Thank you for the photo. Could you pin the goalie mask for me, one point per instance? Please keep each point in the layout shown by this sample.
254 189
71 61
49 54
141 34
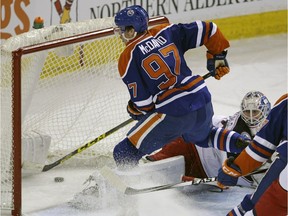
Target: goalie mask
134 16
255 108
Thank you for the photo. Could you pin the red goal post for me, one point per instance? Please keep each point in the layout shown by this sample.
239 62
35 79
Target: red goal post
59 82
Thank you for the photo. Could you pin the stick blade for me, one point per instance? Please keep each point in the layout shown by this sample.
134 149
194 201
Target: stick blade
113 179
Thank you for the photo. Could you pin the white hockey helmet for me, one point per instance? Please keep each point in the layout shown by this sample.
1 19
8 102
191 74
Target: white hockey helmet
255 108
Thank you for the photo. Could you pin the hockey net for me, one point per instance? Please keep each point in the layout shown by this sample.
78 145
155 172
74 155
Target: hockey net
62 84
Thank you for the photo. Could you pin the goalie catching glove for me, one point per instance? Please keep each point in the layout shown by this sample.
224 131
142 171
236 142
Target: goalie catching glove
228 174
217 64
133 111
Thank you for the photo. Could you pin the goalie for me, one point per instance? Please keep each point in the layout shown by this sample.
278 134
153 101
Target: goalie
199 162
205 162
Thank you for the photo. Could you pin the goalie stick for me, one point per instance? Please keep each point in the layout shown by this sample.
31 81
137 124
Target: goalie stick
117 182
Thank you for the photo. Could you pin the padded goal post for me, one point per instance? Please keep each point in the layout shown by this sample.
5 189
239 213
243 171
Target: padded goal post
60 81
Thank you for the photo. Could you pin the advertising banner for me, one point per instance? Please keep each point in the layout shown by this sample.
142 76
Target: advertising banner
17 16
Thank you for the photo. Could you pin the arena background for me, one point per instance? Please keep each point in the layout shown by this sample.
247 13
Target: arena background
237 18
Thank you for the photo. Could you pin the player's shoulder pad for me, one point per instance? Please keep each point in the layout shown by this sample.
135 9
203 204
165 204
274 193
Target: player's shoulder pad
154 30
283 97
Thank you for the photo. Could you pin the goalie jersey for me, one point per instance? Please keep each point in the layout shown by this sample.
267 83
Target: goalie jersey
155 72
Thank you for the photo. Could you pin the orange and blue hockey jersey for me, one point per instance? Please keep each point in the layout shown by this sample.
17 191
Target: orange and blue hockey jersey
270 197
155 71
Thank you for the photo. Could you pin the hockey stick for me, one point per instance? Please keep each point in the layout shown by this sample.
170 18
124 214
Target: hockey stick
47 167
206 75
117 182
87 145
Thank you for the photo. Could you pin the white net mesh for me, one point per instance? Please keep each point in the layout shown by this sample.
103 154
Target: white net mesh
72 93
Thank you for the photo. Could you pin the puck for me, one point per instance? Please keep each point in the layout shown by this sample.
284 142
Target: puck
58 179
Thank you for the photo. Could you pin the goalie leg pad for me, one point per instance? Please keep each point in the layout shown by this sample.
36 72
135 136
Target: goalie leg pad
193 165
165 171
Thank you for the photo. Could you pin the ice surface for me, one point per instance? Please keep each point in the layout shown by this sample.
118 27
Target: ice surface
256 64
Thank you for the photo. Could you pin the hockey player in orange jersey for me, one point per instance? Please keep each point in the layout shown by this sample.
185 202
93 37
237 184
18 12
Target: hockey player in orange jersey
270 197
163 91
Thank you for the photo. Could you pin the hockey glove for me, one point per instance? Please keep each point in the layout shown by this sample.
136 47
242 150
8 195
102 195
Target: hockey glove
217 64
242 142
133 111
229 173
